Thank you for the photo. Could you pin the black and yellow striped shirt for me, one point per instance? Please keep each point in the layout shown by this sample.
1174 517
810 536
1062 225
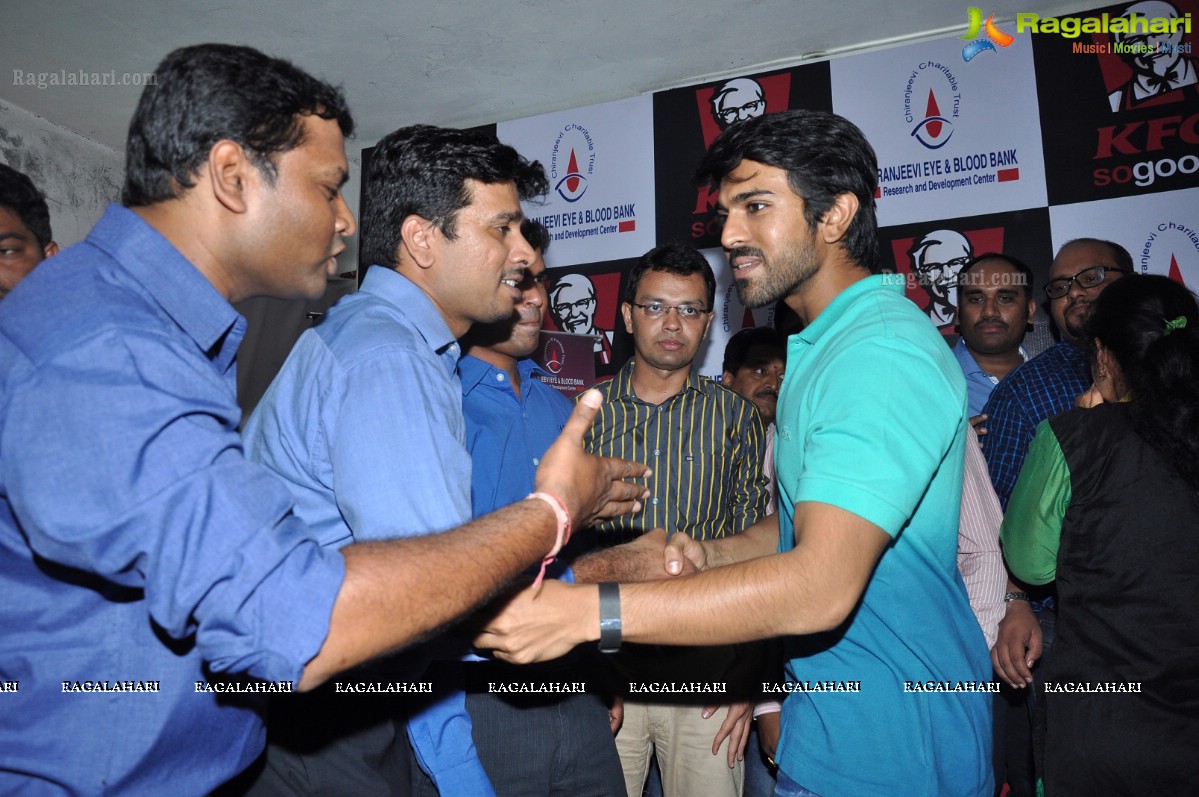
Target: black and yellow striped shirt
705 446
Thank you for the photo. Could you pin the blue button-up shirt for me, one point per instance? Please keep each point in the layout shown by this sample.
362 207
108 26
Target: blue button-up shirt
979 383
137 544
364 423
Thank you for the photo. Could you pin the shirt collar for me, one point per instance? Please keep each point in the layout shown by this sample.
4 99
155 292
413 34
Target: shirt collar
394 288
474 371
178 287
844 300
622 383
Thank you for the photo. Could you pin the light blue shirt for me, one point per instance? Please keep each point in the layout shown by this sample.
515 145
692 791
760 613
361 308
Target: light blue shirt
979 383
872 419
137 543
364 422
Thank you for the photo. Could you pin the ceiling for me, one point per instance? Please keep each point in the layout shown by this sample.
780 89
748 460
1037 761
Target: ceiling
452 62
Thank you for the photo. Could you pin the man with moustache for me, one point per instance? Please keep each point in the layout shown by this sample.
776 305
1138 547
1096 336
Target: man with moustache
995 307
364 420
511 419
139 545
1049 384
1052 381
704 445
857 464
755 360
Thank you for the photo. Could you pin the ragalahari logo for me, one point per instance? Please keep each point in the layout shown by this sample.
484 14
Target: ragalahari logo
978 45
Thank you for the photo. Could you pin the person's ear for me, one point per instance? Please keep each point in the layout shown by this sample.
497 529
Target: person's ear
50 249
626 310
420 237
837 219
231 174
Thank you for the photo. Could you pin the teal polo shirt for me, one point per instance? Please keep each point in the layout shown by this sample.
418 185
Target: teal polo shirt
872 419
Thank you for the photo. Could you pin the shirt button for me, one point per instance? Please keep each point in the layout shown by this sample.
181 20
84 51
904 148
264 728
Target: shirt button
536 461
499 377
659 408
654 501
657 452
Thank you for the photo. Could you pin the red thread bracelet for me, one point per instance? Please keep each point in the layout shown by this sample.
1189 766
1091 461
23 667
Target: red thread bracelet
563 516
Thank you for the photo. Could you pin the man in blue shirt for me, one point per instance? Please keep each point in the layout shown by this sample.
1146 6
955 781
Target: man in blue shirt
858 567
143 559
995 308
529 743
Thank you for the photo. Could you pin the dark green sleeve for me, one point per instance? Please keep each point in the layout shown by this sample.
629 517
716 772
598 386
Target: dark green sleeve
1032 527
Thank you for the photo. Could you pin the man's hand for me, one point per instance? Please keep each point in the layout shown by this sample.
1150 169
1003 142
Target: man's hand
616 714
593 488
976 422
684 555
1018 645
769 726
735 728
543 624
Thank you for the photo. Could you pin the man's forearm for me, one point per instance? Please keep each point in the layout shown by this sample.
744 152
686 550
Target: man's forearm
396 592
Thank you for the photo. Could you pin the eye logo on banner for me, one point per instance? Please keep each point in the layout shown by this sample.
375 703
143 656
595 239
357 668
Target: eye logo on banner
934 129
570 182
554 355
994 35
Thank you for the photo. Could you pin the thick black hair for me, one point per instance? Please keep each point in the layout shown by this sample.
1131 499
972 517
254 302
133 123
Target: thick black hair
737 349
422 171
1020 266
211 92
824 155
1134 319
20 195
678 259
536 234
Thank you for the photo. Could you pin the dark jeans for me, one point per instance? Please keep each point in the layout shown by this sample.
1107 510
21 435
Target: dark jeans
1024 711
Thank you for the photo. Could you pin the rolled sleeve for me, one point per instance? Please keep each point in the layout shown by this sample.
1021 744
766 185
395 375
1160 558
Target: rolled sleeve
169 505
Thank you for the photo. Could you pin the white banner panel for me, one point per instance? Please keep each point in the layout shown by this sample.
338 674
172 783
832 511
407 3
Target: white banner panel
1160 231
953 137
600 164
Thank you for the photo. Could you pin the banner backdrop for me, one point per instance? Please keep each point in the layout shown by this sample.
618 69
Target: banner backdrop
1015 141
952 137
600 164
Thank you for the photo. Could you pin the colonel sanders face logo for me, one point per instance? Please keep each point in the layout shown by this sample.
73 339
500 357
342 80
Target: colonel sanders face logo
737 100
573 303
1156 59
936 260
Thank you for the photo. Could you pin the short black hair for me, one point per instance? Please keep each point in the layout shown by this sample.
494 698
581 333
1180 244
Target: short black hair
211 92
737 349
422 170
824 155
1014 262
678 259
536 234
1119 253
20 195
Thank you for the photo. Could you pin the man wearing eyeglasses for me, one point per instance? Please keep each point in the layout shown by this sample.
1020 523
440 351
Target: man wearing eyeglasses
1044 386
705 447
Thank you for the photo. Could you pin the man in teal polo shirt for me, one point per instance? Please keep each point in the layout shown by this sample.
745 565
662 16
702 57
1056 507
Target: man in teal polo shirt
888 670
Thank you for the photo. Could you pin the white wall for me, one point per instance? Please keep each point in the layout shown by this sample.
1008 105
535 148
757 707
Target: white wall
78 176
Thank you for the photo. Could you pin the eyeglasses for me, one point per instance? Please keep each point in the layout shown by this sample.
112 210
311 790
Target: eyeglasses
1087 278
563 309
687 312
747 111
